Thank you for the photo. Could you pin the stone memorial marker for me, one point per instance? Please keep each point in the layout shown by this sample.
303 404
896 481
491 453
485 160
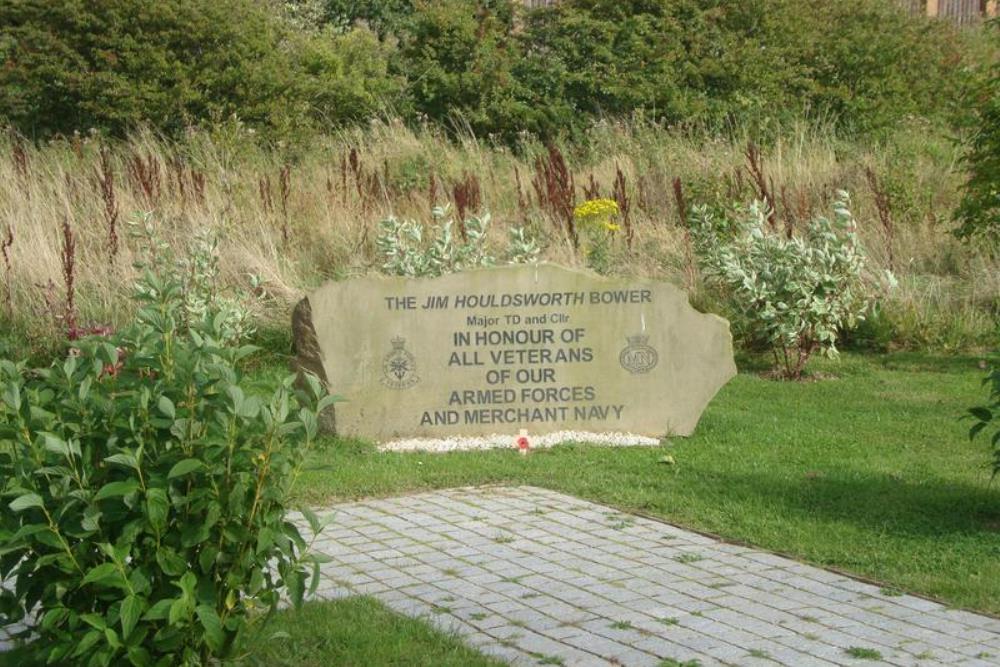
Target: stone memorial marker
493 351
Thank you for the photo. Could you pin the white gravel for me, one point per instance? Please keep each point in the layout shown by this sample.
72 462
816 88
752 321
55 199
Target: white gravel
509 441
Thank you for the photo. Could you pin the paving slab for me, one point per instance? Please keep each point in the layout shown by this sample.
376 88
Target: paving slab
536 577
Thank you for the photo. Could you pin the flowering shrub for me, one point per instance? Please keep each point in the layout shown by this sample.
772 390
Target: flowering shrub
144 491
795 292
598 220
597 214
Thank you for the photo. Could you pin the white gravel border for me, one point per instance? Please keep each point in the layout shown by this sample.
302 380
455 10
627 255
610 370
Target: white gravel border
509 441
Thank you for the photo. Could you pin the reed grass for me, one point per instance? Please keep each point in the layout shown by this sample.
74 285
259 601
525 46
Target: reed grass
297 218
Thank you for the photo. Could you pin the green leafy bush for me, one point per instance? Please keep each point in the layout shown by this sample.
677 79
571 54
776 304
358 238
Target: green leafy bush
144 491
458 59
407 250
294 67
797 292
117 64
979 212
987 416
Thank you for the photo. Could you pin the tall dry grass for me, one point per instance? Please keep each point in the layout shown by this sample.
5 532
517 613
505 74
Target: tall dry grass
299 218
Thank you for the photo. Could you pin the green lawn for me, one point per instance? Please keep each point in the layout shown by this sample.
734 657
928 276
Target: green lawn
358 632
870 472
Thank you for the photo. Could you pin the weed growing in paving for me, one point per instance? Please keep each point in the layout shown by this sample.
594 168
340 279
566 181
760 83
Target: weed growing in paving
688 558
863 653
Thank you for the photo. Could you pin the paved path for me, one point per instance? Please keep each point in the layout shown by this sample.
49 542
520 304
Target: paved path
536 577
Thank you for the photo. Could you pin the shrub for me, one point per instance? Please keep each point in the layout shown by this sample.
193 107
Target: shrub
458 58
408 253
196 275
797 292
382 16
988 416
979 212
117 64
145 491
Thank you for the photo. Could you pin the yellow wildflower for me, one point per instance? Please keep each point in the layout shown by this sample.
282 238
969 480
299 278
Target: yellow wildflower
599 213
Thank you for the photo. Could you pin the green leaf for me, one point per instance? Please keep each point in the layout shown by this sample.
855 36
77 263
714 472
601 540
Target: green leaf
54 617
84 390
117 489
179 610
106 574
166 407
54 443
327 401
314 523
91 521
982 414
159 611
185 467
296 583
139 657
124 459
187 584
12 396
87 642
132 608
170 562
112 638
22 503
157 509
215 636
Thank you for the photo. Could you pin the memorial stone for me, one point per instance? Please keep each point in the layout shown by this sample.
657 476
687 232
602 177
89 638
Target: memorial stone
492 351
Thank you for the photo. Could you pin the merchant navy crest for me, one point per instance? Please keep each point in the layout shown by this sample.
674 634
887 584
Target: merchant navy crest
399 368
638 357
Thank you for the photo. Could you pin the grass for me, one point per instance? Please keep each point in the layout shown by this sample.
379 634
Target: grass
863 653
870 472
323 223
358 631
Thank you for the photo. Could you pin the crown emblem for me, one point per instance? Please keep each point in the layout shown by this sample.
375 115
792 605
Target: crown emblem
399 367
638 357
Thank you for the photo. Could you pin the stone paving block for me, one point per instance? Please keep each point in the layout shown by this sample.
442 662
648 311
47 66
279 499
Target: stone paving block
597 645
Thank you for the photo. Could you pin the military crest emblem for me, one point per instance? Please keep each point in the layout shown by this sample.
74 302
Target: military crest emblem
399 368
638 357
